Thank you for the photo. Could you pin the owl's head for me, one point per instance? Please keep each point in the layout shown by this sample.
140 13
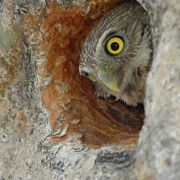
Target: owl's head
116 48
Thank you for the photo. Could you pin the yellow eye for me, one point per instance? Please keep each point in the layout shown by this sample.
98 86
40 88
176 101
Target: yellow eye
114 45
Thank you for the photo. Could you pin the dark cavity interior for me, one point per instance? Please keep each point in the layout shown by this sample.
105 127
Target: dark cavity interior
70 98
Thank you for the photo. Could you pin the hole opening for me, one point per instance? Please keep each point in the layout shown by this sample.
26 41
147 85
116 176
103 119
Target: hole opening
74 106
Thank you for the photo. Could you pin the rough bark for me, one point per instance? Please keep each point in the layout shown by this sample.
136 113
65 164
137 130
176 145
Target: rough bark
26 148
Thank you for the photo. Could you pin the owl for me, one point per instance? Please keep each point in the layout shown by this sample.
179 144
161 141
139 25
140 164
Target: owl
117 54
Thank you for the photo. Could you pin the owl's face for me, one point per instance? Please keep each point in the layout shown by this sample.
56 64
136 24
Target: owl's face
111 54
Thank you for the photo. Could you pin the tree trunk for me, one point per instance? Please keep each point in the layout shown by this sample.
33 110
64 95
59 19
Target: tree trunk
53 126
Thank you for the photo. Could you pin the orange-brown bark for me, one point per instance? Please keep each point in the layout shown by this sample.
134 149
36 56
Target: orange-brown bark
70 97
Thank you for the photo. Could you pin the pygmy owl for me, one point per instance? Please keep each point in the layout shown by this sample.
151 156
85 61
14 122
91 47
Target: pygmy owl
117 54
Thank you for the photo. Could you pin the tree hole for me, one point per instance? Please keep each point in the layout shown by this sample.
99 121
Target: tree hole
76 111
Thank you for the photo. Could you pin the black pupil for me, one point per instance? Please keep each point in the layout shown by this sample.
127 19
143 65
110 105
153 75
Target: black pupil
114 46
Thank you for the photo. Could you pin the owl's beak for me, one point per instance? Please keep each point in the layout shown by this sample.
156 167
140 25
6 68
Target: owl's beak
109 78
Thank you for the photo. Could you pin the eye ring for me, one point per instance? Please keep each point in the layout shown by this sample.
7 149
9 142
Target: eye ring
114 45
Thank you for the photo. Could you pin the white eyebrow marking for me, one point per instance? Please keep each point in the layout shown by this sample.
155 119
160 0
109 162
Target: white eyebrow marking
99 44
